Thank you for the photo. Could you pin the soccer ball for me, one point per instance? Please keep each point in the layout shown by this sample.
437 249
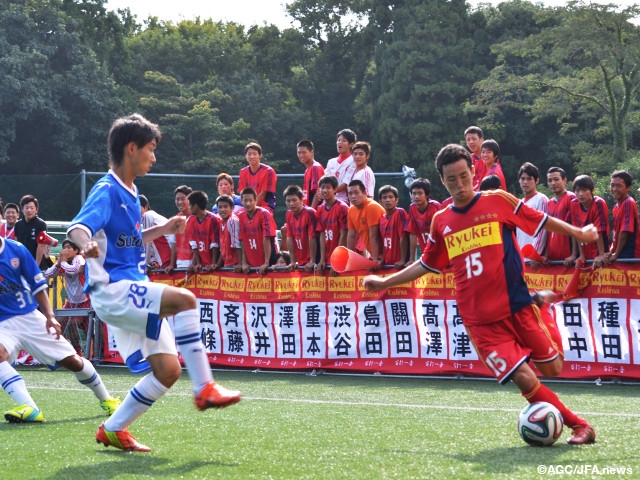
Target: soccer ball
540 424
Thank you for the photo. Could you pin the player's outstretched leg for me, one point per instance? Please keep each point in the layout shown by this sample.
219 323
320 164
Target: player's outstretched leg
582 432
13 383
87 376
207 393
543 299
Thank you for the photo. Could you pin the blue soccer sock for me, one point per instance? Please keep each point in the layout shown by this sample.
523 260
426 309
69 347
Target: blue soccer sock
187 330
139 399
13 383
90 379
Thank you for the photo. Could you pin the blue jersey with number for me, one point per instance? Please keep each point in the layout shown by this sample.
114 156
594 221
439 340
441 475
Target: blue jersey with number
111 216
20 280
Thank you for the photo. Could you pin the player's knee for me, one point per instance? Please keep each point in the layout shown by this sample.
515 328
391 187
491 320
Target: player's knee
168 375
188 300
72 362
4 355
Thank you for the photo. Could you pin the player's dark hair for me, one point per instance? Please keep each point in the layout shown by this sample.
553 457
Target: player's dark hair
624 176
199 198
559 170
225 199
451 154
582 182
492 145
474 129
308 144
12 205
253 145
422 183
491 182
144 201
182 189
348 134
530 169
388 189
285 256
133 128
362 145
28 199
248 191
293 190
66 241
330 179
359 184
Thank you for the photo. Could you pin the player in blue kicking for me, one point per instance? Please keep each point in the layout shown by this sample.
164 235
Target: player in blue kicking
23 288
108 231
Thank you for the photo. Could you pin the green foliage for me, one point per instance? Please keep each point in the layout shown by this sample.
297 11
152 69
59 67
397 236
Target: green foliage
54 94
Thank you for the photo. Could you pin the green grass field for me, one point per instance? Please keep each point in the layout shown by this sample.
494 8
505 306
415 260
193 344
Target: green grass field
296 426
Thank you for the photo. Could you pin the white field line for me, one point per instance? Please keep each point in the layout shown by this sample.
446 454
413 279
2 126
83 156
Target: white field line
361 404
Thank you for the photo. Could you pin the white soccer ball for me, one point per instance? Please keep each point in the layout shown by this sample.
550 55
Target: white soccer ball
540 424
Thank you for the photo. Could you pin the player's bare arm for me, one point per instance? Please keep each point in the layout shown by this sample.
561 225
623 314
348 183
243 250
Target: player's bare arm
171 227
375 282
586 234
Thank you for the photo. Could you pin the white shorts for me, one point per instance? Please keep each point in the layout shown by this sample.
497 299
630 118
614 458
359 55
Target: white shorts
29 332
131 310
130 305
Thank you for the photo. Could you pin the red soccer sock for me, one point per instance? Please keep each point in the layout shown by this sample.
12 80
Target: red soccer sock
541 393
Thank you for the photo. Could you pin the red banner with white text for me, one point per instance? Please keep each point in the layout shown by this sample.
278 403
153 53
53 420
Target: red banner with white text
303 321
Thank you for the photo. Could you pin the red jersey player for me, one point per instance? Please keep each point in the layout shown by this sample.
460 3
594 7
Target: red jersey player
476 235
589 209
230 248
625 241
421 211
183 250
558 246
203 233
332 220
474 137
393 228
259 176
312 174
11 215
257 234
302 236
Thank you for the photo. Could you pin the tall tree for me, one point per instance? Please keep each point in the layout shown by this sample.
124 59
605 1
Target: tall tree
56 99
425 66
582 70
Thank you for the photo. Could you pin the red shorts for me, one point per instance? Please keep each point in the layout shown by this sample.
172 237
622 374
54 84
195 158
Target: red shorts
506 344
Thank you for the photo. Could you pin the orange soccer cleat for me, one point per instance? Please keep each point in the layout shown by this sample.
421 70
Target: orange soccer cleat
214 395
121 439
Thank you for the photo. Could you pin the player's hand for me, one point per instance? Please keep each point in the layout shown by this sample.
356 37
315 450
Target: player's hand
373 282
310 267
587 234
399 265
91 250
262 269
176 225
52 323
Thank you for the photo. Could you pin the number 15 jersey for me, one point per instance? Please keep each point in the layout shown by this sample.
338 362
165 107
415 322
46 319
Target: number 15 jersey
479 242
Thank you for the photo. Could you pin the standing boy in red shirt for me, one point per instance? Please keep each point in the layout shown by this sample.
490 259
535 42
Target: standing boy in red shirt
332 220
393 228
259 176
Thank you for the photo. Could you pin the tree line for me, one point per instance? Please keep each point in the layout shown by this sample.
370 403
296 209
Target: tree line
554 86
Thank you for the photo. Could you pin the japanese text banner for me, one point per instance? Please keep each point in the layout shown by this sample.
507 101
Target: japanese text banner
304 321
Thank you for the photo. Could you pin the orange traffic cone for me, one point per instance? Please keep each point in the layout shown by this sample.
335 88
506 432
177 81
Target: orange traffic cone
571 290
345 260
531 253
44 239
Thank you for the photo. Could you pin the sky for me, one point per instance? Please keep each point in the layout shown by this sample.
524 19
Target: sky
245 12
